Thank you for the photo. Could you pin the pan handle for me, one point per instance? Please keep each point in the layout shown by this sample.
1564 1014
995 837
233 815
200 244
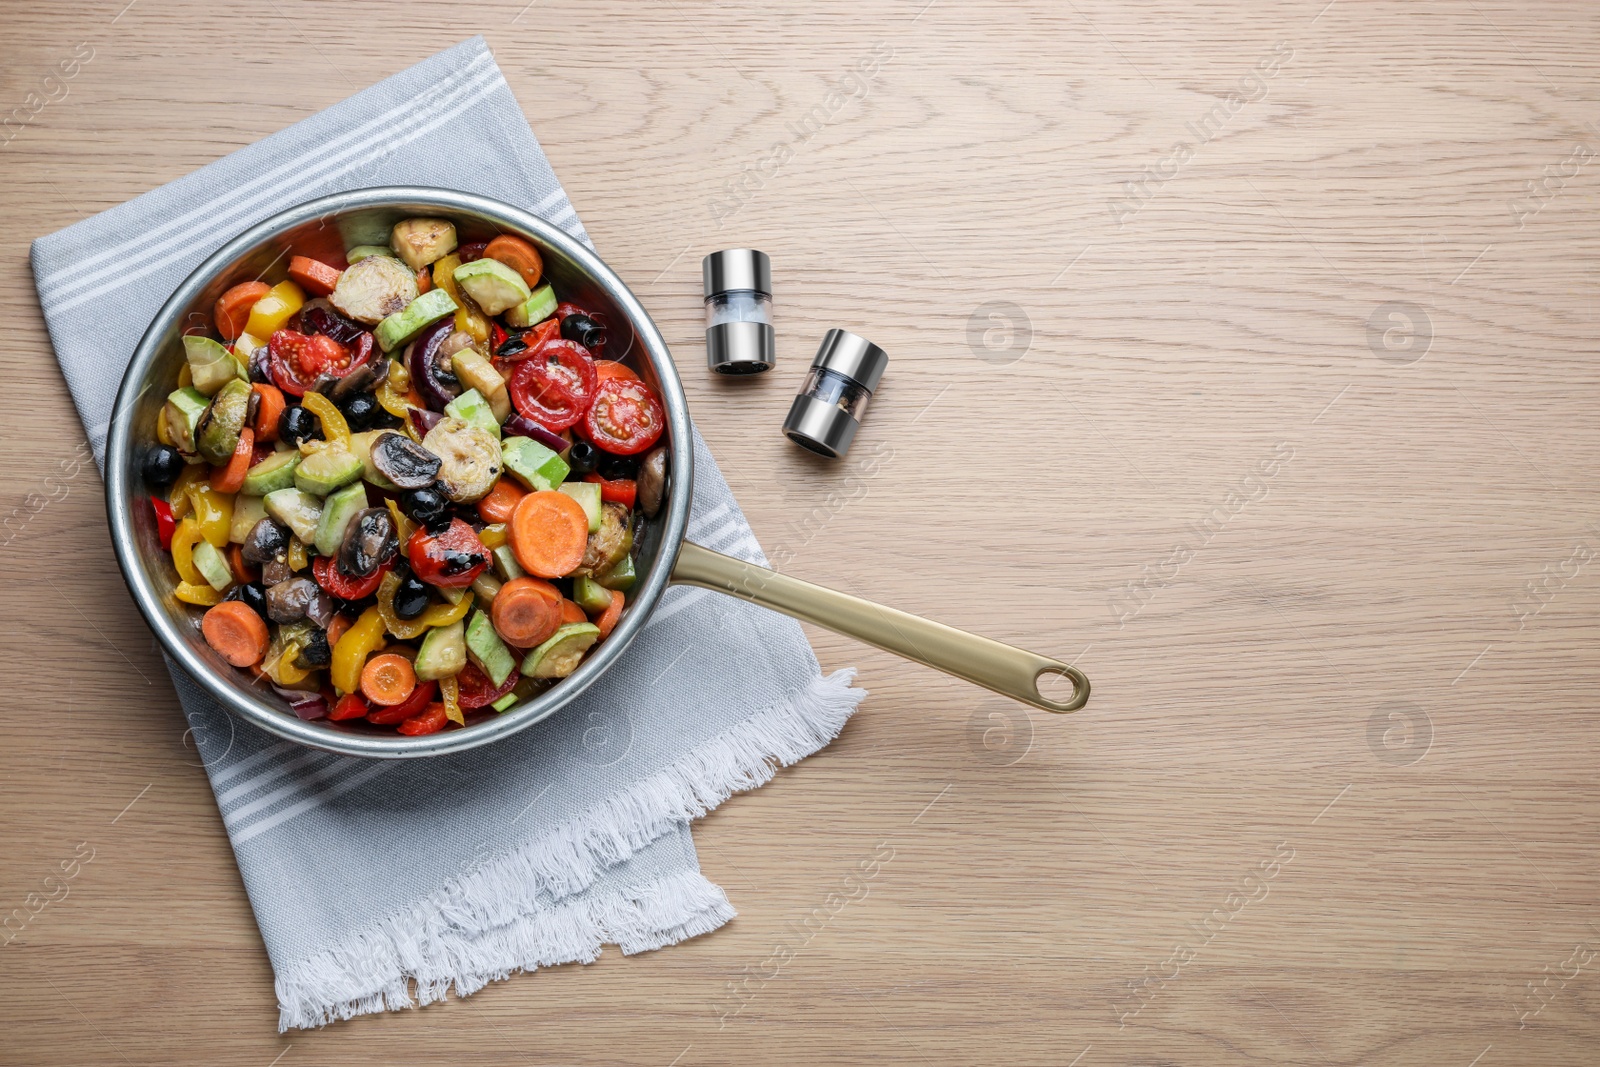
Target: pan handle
1006 670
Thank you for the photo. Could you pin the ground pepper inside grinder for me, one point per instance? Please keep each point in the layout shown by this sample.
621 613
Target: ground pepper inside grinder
828 410
739 336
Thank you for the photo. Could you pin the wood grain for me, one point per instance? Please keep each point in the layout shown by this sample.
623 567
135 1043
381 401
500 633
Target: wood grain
1334 669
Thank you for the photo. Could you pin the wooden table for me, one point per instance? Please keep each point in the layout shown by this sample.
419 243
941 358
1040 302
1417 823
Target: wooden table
1242 353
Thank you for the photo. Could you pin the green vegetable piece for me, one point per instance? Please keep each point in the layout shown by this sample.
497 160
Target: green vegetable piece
493 285
588 495
590 595
360 252
184 408
505 703
209 562
271 474
247 511
417 316
621 576
327 469
538 307
506 565
534 465
296 509
211 364
471 407
561 654
217 433
443 652
337 511
361 447
487 650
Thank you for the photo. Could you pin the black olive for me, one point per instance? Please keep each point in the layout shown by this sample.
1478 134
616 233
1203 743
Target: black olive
404 462
583 457
411 599
316 653
251 596
584 330
512 345
614 467
358 411
369 543
266 541
424 505
296 424
162 465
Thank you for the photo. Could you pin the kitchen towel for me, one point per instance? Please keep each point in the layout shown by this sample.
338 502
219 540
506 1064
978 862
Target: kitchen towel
380 884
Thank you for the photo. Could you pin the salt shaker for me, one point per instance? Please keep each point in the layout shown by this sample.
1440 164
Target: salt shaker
739 335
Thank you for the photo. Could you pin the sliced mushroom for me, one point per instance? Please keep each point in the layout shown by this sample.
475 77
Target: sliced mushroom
267 540
404 462
452 344
652 481
363 379
370 541
608 544
374 288
469 459
288 601
421 241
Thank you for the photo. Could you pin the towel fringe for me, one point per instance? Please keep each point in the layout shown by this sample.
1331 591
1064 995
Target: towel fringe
522 909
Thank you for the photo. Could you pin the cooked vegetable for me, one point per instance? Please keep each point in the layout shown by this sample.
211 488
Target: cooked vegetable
493 286
212 566
339 510
608 543
334 429
430 720
351 650
251 595
477 689
233 308
296 509
299 362
583 457
560 655
161 466
288 601
313 275
587 494
428 506
269 313
413 705
369 543
427 309
266 541
469 459
501 501
432 375
419 242
406 464
443 652
537 307
274 472
236 633
520 256
652 481
607 620
475 372
324 469
213 512
591 335
450 559
526 611
590 595
621 576
373 288
269 404
549 534
388 679
554 386
471 407
247 512
298 425
216 435
537 466
230 479
211 366
624 417
184 409
360 252
165 523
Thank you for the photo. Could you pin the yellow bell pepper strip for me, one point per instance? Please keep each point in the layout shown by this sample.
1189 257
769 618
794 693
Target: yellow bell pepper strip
178 495
450 693
185 376
184 538
404 629
469 316
245 346
296 557
364 637
493 535
403 527
213 512
335 429
280 663
445 614
392 393
268 314
163 432
201 595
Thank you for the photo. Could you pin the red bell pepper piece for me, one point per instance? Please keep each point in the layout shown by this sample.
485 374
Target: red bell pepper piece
165 523
622 491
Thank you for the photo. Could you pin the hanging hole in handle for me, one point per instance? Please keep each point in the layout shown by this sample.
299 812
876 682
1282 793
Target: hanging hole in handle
1064 687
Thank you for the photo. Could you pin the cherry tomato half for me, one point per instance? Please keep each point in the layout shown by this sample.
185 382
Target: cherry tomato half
475 690
624 418
450 560
297 360
622 491
328 575
554 385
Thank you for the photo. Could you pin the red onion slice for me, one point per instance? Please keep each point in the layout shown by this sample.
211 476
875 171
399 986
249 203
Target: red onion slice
521 426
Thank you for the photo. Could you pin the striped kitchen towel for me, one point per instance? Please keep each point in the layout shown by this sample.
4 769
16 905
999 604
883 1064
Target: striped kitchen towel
378 885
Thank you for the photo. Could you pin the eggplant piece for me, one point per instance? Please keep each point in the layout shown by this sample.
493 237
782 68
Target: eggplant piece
370 541
266 541
469 459
373 289
652 481
288 601
322 608
274 571
433 375
404 462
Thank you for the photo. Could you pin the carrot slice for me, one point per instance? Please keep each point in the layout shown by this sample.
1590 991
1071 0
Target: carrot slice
336 628
233 308
610 368
314 276
269 409
388 679
501 501
242 571
549 531
424 280
526 611
430 720
230 479
517 254
236 632
607 621
570 612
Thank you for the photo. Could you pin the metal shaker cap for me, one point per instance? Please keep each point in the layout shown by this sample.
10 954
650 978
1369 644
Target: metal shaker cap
853 356
736 268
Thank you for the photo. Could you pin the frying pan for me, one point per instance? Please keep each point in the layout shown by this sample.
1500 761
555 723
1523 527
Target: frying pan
663 556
